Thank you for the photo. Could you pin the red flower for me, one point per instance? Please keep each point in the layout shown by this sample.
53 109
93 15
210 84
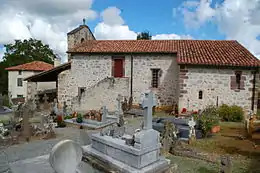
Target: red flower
59 118
184 110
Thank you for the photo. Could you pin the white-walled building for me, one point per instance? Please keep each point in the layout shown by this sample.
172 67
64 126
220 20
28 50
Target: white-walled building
17 87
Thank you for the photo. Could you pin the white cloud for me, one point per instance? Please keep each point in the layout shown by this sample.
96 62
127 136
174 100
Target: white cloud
47 20
113 27
237 19
171 37
2 53
50 20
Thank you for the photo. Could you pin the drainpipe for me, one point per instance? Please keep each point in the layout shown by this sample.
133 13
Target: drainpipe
131 79
253 92
130 102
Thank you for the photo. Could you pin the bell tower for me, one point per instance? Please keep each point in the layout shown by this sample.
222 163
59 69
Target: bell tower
79 35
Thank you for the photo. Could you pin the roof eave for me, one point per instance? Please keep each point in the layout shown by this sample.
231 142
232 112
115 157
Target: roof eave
73 52
219 65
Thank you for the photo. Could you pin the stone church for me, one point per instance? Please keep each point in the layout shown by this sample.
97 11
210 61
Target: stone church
190 73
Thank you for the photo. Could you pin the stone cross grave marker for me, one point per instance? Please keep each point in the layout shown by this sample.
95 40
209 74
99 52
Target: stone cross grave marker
37 102
104 113
65 112
119 105
26 125
55 106
192 124
147 103
45 98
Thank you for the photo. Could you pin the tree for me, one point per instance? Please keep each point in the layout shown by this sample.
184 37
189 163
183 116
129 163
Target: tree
144 36
21 52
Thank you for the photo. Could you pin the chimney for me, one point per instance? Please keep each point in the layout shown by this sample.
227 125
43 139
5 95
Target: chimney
57 62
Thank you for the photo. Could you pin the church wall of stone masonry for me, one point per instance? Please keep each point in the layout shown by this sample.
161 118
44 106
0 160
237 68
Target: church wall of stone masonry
167 92
216 85
88 71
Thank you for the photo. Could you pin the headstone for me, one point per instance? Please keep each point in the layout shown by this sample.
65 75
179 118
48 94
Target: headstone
55 106
46 104
65 111
148 137
149 101
167 136
192 134
104 114
65 157
225 164
26 125
119 110
37 102
118 132
84 138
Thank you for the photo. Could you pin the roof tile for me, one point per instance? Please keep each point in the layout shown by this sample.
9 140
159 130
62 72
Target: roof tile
32 66
200 52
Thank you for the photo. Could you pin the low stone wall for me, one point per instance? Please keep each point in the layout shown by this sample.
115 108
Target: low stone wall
104 93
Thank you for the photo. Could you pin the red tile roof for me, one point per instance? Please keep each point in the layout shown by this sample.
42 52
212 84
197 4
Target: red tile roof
126 46
32 66
199 52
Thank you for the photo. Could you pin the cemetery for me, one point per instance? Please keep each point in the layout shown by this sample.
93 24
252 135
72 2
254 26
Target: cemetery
157 142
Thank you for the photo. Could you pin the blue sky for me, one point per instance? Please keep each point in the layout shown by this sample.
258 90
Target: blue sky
157 18
50 20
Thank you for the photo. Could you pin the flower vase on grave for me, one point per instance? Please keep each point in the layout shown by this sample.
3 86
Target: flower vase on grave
99 117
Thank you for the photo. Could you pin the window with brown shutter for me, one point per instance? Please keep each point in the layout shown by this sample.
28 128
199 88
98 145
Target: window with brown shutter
238 80
118 66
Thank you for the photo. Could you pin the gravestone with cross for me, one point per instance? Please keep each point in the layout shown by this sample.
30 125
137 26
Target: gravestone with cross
104 114
147 103
119 110
37 102
192 134
46 104
147 137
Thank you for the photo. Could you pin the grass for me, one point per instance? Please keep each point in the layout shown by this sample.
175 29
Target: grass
189 165
245 155
4 118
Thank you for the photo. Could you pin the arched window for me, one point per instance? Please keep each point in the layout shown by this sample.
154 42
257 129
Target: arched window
200 94
82 40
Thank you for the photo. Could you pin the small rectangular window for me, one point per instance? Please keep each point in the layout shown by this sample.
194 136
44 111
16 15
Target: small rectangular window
19 96
200 94
19 82
238 79
81 92
155 78
20 72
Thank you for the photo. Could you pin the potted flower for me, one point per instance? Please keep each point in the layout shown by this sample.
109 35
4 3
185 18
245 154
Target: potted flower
209 120
79 118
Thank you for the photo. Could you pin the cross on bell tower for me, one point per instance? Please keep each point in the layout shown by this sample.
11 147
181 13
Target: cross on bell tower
84 21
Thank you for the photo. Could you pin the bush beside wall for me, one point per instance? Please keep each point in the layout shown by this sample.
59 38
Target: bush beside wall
231 113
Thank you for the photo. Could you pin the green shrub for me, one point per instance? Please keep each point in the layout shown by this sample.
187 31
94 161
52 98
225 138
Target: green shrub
231 113
224 112
68 117
237 113
207 119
